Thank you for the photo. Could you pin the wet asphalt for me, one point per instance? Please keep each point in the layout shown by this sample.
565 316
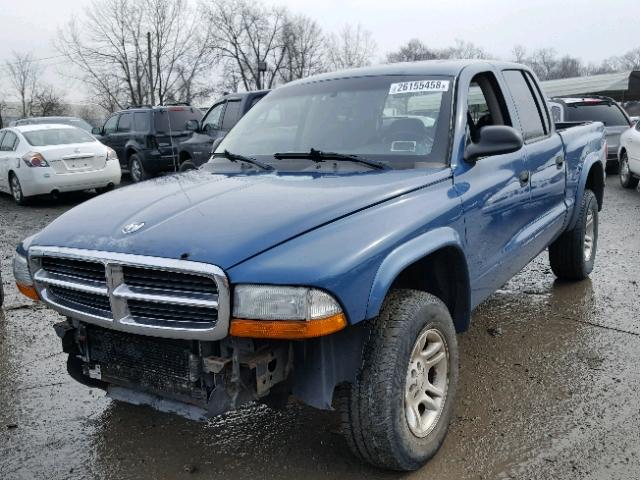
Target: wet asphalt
549 388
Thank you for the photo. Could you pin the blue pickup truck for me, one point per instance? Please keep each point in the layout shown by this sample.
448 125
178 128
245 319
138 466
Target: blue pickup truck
338 239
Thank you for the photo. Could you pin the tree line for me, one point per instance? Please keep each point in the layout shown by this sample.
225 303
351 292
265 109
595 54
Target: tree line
137 52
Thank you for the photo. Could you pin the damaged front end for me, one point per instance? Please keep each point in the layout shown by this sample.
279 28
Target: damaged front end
195 379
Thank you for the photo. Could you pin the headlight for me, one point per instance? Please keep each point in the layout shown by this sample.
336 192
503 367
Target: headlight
22 275
111 154
262 311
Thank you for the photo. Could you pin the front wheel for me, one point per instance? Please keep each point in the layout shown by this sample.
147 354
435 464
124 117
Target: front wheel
187 165
627 180
397 413
573 254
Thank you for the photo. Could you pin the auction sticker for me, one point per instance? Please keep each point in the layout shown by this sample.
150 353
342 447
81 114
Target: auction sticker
419 86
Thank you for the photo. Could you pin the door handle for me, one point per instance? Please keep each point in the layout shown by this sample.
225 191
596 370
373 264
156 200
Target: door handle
559 161
524 177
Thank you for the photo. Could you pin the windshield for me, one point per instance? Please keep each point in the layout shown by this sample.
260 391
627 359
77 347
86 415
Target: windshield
402 121
174 119
57 136
608 113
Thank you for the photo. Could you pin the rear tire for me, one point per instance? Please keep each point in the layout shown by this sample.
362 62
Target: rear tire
136 169
397 413
187 165
627 180
16 190
573 254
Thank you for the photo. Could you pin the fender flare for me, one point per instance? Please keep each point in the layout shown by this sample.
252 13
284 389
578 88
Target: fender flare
409 253
589 162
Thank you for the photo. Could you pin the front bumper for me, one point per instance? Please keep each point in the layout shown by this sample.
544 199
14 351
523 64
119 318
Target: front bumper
42 181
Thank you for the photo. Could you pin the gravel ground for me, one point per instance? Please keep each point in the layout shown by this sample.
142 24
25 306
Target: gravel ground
548 388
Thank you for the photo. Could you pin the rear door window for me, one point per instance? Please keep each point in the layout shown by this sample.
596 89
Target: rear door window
608 113
141 121
529 112
9 142
124 125
231 114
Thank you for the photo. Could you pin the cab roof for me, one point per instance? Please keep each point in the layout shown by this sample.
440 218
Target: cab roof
449 68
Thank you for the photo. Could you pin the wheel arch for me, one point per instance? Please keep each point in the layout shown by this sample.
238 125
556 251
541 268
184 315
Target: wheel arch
433 262
592 177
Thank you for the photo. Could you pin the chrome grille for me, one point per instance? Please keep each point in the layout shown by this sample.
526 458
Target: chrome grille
92 271
139 294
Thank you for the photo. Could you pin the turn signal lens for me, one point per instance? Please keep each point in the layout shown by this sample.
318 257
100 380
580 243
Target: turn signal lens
111 154
287 329
34 159
28 291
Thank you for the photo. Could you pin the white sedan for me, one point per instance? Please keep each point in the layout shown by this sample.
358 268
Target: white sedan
629 155
49 159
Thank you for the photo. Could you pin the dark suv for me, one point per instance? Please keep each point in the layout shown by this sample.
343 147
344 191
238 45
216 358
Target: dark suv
146 138
218 120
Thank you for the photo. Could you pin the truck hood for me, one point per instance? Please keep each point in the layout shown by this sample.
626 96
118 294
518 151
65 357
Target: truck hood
223 219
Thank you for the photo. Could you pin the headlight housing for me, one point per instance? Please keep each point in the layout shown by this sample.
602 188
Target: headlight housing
21 271
271 311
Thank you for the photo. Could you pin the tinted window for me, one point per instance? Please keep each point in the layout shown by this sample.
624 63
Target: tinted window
9 142
124 125
57 136
212 120
174 119
607 113
110 125
528 111
541 103
231 114
141 121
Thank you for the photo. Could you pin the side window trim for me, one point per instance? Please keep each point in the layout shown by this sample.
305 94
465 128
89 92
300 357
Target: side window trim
543 110
537 138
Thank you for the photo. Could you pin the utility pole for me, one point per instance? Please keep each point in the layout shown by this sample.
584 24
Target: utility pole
262 70
150 66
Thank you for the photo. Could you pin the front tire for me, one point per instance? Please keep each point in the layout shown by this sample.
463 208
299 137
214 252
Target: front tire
16 190
573 254
397 413
136 169
627 180
187 165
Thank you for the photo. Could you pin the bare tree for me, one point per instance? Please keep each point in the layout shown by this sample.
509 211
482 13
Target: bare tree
519 54
249 35
630 60
351 47
304 45
47 102
412 51
24 73
138 51
464 50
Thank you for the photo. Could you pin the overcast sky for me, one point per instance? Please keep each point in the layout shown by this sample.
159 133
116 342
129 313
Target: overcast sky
591 30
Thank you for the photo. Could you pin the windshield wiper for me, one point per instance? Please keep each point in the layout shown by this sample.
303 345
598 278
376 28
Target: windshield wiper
234 157
320 156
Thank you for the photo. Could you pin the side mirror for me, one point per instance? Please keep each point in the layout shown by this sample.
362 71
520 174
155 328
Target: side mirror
215 144
96 131
192 125
494 140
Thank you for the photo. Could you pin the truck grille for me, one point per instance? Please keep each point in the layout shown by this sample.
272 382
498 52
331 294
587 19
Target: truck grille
144 295
81 300
81 270
164 280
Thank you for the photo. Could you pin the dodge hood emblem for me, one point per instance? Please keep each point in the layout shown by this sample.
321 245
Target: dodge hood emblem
132 227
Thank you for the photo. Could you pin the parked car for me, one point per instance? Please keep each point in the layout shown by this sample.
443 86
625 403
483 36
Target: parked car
338 239
629 155
73 121
146 138
599 109
49 159
219 119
